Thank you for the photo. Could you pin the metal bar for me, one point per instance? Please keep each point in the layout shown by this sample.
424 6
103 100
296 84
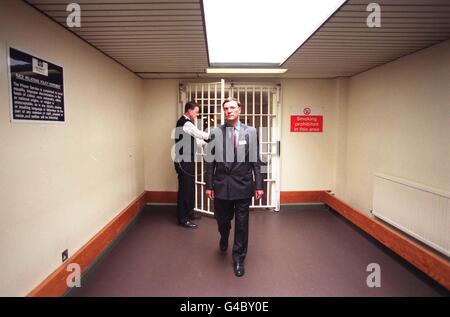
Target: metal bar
195 164
204 211
216 113
189 93
209 107
209 130
263 115
196 89
253 124
245 106
267 115
270 86
237 94
222 99
260 125
279 118
269 149
201 163
215 105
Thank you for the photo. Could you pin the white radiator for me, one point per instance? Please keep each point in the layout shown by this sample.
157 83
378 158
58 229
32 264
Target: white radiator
416 209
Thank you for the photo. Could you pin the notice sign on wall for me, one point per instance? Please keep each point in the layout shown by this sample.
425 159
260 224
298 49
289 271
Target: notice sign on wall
37 90
310 121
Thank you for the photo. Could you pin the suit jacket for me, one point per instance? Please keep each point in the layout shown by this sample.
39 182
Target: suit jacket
240 175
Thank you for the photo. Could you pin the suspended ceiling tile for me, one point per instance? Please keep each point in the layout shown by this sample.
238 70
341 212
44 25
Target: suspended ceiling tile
166 39
142 35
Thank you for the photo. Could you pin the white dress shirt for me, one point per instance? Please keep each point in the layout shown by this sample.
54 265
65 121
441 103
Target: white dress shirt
196 133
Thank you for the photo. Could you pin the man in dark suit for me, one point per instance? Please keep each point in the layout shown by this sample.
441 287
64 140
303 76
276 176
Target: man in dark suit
187 138
233 177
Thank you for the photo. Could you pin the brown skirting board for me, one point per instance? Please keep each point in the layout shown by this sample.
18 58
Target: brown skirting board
55 284
161 197
313 196
434 265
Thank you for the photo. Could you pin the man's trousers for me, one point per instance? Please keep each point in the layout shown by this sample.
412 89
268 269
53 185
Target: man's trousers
186 190
224 210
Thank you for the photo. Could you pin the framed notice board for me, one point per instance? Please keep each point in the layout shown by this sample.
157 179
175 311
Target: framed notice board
36 88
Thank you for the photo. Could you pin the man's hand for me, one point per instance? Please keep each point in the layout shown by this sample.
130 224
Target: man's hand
210 193
258 194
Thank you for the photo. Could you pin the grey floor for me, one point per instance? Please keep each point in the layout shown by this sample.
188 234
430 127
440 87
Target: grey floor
306 250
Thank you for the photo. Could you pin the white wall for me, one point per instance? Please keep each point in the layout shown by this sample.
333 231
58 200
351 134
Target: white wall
340 134
399 124
307 159
61 183
160 115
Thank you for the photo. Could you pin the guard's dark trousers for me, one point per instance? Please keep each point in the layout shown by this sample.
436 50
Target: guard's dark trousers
186 190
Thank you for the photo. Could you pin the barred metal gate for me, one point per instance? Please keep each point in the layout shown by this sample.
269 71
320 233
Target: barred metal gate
260 109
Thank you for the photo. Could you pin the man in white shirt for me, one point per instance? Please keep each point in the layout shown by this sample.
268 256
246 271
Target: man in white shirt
188 136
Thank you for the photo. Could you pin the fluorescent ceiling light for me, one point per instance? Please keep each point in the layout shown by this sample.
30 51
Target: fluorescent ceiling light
246 70
261 31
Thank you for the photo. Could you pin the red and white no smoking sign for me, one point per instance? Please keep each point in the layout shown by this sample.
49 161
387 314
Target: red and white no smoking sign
310 121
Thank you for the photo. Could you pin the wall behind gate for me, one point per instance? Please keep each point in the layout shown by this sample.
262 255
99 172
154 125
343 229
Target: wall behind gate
61 183
160 115
308 159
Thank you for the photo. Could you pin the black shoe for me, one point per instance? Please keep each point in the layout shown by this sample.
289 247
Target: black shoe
188 224
195 216
223 244
239 269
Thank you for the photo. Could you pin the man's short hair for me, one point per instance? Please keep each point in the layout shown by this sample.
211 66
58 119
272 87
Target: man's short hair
231 99
190 105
